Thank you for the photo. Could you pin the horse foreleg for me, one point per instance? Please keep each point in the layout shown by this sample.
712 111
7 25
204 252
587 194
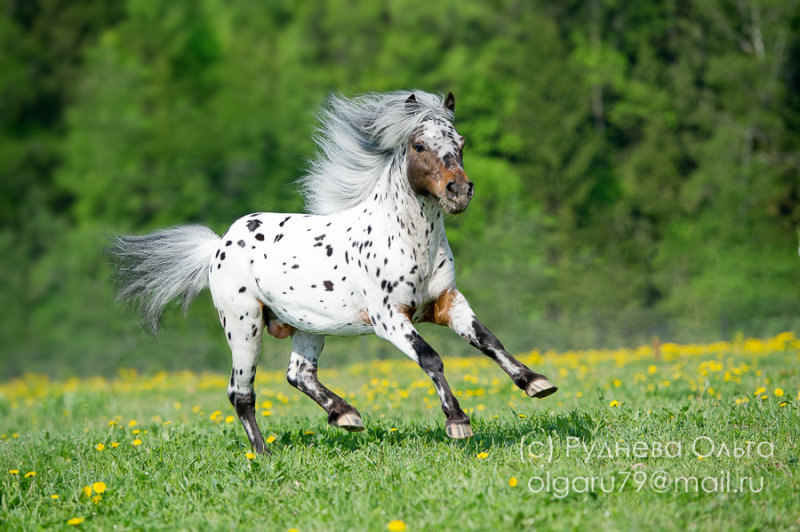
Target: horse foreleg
452 309
400 332
302 374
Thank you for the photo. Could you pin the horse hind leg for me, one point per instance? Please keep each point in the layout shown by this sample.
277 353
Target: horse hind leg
302 374
244 324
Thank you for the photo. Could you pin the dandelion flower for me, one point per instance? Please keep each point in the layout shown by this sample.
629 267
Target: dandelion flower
613 403
100 447
229 419
617 383
54 496
483 455
513 482
132 423
13 471
114 444
250 455
75 521
309 432
137 431
87 490
97 498
30 474
759 390
99 487
393 429
778 392
271 438
396 526
136 442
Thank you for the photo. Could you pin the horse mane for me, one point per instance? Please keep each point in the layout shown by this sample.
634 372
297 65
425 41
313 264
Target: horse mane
356 141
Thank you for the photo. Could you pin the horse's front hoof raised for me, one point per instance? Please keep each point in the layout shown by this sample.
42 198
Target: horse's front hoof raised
349 421
541 388
459 431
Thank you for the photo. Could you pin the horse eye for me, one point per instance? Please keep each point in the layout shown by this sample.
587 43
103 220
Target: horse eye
419 147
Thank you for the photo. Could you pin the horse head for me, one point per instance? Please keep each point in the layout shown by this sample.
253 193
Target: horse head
434 161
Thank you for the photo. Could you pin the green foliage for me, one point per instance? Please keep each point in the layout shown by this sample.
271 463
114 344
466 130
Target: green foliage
635 164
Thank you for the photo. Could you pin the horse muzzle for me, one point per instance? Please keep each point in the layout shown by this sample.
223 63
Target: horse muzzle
457 193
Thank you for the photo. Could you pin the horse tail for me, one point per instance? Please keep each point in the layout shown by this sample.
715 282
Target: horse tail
154 269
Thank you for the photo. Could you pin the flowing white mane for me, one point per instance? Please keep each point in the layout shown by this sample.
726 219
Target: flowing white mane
357 139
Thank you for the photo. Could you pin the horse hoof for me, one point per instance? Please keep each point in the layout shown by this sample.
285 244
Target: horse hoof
541 388
459 431
349 421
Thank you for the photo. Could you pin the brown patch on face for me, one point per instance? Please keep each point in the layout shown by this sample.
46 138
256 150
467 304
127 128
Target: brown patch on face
424 170
439 311
365 317
430 176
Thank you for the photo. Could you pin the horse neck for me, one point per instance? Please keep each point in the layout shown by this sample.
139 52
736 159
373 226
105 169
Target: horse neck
417 219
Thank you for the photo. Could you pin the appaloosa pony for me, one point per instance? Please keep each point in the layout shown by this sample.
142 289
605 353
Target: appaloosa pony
372 257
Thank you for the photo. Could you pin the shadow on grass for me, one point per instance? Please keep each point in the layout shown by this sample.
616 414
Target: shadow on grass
489 433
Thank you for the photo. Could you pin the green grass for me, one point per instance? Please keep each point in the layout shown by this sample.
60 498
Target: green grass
192 471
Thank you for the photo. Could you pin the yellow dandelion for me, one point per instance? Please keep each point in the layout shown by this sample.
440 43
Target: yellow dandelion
617 383
54 496
292 530
100 447
759 390
700 457
13 471
99 487
75 521
483 455
266 413
137 431
396 526
513 482
393 429
652 369
112 423
97 498
30 474
250 455
778 392
136 442
523 416
229 419
309 432
87 490
271 438
114 444
132 423
782 404
614 403
15 435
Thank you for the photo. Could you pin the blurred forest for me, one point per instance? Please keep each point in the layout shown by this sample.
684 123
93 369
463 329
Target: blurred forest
636 163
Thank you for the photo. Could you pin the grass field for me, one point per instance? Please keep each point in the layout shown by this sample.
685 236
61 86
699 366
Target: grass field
694 437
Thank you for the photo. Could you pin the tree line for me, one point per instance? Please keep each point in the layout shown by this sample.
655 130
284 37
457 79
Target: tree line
636 164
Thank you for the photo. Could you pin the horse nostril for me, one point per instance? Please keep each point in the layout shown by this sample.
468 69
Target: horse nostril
452 188
470 189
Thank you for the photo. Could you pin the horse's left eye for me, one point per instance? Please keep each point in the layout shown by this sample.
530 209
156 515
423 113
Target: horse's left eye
419 147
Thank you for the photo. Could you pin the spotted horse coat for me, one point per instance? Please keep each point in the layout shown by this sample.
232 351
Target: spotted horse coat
371 257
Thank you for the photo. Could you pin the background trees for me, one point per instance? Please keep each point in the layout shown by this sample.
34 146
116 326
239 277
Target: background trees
636 164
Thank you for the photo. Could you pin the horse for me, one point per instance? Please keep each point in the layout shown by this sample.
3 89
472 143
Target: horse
370 255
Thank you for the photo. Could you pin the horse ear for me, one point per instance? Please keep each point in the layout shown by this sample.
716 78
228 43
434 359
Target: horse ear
450 102
411 101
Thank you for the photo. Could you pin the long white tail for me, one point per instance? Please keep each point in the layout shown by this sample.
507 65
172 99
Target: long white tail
154 269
